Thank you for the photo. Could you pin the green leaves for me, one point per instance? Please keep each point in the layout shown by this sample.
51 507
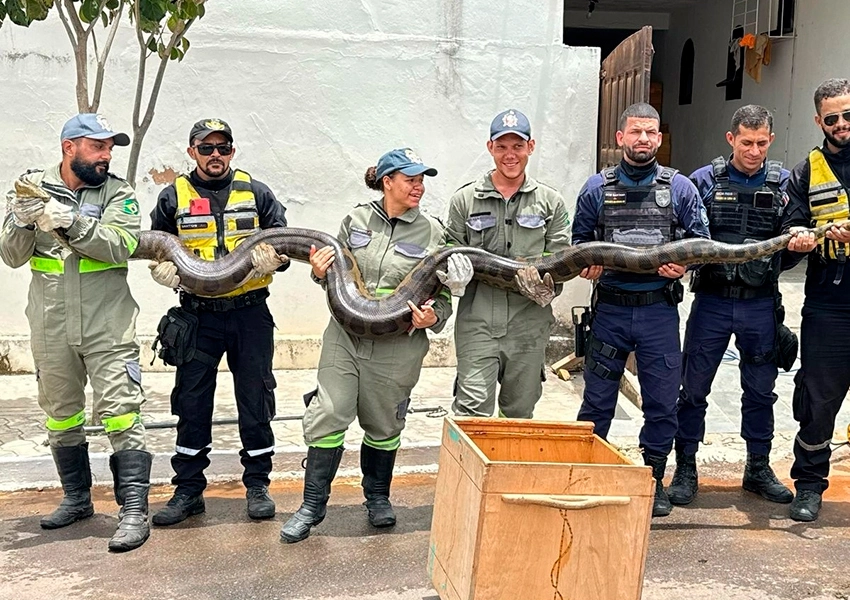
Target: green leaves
24 12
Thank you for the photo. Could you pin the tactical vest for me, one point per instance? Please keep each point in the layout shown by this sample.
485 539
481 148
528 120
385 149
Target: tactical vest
739 214
828 203
640 216
210 236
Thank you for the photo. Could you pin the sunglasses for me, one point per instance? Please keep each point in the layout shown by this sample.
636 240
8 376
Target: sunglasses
208 149
831 120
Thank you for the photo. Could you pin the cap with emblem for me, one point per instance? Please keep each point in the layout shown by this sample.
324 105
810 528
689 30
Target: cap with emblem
94 126
404 160
510 121
205 127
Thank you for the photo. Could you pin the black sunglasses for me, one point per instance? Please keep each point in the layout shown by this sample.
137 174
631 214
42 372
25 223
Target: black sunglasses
207 149
831 120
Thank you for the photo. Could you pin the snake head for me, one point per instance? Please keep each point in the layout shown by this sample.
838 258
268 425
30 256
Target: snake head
27 189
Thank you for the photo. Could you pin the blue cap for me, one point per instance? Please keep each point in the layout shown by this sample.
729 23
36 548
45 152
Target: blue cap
94 126
404 160
510 121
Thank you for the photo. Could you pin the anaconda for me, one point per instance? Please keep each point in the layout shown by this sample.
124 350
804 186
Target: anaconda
370 317
364 315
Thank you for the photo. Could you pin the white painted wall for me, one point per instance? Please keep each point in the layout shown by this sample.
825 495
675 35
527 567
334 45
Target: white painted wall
315 92
797 67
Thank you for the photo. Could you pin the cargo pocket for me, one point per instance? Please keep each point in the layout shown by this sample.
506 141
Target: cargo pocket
269 384
134 371
673 361
531 221
359 238
799 401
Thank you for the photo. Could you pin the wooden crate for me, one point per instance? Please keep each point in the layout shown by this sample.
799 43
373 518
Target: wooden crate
537 510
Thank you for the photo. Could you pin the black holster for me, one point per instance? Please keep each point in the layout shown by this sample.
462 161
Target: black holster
786 344
176 336
674 292
582 316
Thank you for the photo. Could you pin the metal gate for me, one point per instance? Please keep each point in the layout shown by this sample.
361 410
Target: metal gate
625 80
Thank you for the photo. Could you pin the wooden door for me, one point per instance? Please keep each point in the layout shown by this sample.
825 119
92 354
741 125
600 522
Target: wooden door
625 80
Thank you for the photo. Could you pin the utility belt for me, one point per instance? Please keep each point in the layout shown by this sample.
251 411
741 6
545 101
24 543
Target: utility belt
252 298
672 293
735 292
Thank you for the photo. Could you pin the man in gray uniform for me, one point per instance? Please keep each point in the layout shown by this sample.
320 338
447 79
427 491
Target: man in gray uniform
83 319
501 336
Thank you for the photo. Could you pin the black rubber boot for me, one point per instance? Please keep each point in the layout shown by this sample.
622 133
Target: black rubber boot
179 508
661 506
322 464
131 471
685 482
377 467
260 504
760 479
806 506
72 463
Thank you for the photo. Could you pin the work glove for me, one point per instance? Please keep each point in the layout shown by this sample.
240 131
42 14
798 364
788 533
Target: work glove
56 215
25 210
165 273
266 260
457 275
530 285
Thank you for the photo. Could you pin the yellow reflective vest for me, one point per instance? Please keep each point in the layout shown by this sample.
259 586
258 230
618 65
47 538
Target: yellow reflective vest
827 201
210 237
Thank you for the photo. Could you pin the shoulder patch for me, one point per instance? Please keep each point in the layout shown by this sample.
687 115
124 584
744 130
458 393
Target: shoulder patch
131 206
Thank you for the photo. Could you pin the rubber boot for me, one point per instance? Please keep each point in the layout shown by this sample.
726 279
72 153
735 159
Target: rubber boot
72 463
760 479
322 464
131 472
377 467
661 506
685 482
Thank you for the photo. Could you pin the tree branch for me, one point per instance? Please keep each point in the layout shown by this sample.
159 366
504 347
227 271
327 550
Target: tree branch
79 43
101 59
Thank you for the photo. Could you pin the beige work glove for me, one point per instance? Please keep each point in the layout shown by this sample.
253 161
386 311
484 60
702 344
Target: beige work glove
530 285
25 210
165 273
55 216
266 260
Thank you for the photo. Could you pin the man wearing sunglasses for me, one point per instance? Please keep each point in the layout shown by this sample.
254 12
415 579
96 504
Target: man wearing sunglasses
213 209
817 194
744 198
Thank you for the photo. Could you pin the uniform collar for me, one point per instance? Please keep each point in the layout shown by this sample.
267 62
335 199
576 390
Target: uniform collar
738 176
53 177
486 189
408 216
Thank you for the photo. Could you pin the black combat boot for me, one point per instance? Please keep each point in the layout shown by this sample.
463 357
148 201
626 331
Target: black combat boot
179 508
377 467
759 478
661 506
806 506
131 471
260 504
684 486
72 463
322 464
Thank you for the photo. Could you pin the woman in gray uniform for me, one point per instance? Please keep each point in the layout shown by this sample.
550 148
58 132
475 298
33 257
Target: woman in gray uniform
368 379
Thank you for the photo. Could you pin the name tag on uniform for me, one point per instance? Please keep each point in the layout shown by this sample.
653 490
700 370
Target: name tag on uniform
725 196
612 197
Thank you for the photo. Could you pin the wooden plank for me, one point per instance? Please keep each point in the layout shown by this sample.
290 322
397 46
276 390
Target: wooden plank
571 362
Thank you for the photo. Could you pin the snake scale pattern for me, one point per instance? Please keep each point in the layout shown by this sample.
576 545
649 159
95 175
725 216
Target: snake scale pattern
369 317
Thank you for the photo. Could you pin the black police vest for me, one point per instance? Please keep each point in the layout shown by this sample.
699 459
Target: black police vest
740 214
641 216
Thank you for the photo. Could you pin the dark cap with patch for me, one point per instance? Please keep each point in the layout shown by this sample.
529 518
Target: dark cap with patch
205 127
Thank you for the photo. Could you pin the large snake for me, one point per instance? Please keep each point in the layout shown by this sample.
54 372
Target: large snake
364 315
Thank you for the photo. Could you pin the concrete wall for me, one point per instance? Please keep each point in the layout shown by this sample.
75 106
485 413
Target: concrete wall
787 86
315 92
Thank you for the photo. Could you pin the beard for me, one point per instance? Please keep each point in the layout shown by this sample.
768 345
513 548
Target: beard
88 172
214 169
640 157
836 142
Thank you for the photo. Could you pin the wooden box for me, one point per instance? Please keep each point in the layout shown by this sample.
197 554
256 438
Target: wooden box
533 510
